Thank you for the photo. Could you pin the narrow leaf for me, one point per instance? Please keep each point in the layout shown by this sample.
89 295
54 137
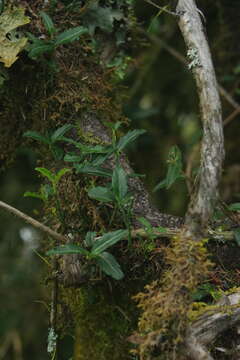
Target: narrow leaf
70 35
36 136
237 236
119 182
161 185
101 194
108 240
68 249
46 172
234 207
145 223
109 265
58 134
73 158
61 173
128 138
33 194
175 166
89 238
48 23
95 171
39 48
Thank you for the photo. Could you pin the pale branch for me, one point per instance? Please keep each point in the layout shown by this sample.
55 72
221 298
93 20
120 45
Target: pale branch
36 224
202 332
212 151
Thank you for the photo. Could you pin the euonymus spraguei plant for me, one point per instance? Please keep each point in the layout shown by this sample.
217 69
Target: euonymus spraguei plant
89 160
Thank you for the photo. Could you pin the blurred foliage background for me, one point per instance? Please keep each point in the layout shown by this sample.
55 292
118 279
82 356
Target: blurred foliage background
161 99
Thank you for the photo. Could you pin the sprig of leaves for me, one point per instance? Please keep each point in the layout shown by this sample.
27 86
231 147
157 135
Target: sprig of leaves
39 46
175 169
95 250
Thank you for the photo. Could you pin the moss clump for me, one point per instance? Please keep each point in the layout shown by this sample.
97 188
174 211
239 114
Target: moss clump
103 318
166 303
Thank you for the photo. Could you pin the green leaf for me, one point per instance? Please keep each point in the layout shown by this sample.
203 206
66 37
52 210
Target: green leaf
95 171
237 235
40 47
161 229
100 193
61 173
57 152
36 136
58 134
47 173
175 166
119 183
108 240
68 249
99 160
128 138
70 35
234 207
97 149
73 158
89 238
109 265
145 223
34 194
161 185
48 23
175 169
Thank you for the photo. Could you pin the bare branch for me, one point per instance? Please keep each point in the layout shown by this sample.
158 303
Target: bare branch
43 228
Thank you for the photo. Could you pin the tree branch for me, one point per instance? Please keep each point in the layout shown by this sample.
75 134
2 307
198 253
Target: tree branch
212 152
206 329
43 228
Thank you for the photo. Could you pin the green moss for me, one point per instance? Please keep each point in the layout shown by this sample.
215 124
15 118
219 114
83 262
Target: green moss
103 317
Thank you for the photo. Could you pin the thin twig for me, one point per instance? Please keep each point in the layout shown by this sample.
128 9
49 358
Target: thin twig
36 224
161 8
184 61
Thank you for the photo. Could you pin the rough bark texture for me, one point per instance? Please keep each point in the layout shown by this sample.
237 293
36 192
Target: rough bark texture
212 152
205 330
142 205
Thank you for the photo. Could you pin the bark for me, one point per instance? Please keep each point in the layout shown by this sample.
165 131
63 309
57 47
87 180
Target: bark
206 329
212 152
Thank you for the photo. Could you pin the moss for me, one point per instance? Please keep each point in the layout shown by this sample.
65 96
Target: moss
104 317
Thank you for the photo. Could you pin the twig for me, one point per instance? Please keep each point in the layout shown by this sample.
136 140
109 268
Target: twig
162 8
184 61
29 220
231 116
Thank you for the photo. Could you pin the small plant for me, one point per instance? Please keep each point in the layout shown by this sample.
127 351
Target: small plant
95 250
51 140
175 169
151 233
40 46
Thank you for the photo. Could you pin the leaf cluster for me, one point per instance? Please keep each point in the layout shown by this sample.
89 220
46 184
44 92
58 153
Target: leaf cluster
95 250
40 46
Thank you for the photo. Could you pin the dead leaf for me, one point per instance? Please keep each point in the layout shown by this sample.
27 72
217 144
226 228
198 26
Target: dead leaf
11 43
